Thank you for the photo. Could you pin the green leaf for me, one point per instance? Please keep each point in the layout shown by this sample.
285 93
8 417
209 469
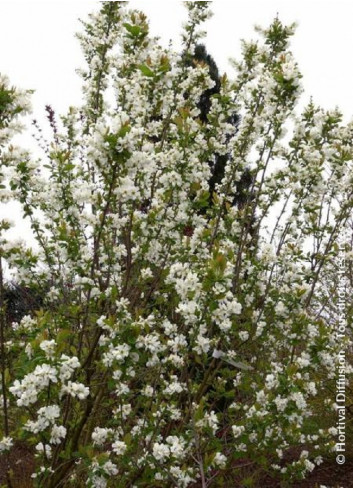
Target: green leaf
134 30
125 129
69 167
63 335
146 70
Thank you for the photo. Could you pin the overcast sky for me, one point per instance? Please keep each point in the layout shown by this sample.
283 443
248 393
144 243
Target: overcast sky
39 50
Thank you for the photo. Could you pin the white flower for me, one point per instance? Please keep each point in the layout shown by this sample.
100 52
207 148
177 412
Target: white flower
67 367
220 460
174 387
27 322
182 476
177 343
281 403
237 430
125 410
29 350
298 398
127 190
49 412
48 346
217 354
289 70
148 391
309 466
161 451
318 460
146 273
280 308
44 449
177 446
150 342
5 444
46 416
203 344
99 481
100 435
110 468
209 420
311 388
118 354
57 434
243 335
75 389
36 426
271 381
119 447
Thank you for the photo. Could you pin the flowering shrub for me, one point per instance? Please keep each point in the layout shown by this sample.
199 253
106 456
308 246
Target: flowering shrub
174 343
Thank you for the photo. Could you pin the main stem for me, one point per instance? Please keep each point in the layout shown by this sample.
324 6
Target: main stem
3 368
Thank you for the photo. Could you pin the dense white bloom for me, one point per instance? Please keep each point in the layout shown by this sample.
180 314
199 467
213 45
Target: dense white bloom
309 466
182 476
227 307
141 256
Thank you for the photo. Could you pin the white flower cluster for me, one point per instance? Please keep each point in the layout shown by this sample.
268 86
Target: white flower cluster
67 367
32 384
227 308
75 389
46 416
116 354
